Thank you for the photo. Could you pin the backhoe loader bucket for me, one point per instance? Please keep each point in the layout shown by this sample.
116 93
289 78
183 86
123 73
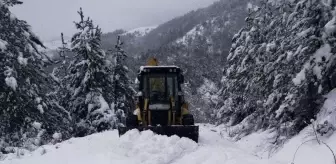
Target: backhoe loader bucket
190 131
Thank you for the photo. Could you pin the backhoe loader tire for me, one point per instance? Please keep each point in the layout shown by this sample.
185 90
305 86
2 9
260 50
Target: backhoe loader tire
131 121
188 119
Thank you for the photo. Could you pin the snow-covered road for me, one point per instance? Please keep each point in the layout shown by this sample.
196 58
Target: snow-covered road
135 148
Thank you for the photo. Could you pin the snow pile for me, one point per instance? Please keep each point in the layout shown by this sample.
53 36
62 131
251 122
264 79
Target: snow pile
308 151
150 148
328 111
303 148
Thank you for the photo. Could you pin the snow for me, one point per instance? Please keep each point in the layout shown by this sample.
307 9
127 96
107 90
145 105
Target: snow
207 90
23 61
214 147
304 33
142 68
309 153
57 136
196 31
328 112
139 147
277 80
11 82
270 47
103 105
323 53
40 108
289 55
301 76
320 88
139 94
3 45
12 17
37 125
249 5
141 31
38 100
330 27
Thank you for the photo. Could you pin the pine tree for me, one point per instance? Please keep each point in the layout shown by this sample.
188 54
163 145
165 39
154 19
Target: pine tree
281 87
59 73
27 112
90 81
123 92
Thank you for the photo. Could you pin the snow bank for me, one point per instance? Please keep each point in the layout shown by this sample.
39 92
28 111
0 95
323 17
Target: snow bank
328 111
309 153
304 145
260 145
150 148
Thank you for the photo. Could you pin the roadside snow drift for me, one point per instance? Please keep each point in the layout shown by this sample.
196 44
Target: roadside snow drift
139 147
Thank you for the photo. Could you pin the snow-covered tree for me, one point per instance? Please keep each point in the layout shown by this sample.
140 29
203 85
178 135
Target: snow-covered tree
90 81
279 66
27 112
60 73
123 91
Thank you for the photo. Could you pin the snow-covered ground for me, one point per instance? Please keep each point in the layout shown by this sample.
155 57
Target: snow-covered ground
214 147
135 147
148 148
301 149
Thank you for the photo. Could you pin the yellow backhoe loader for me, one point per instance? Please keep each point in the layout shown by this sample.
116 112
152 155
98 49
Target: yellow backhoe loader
160 105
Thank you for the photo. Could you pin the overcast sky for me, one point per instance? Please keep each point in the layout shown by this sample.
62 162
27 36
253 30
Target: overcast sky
49 18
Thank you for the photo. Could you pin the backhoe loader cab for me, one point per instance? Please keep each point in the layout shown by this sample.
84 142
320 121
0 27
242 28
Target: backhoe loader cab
160 104
161 87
